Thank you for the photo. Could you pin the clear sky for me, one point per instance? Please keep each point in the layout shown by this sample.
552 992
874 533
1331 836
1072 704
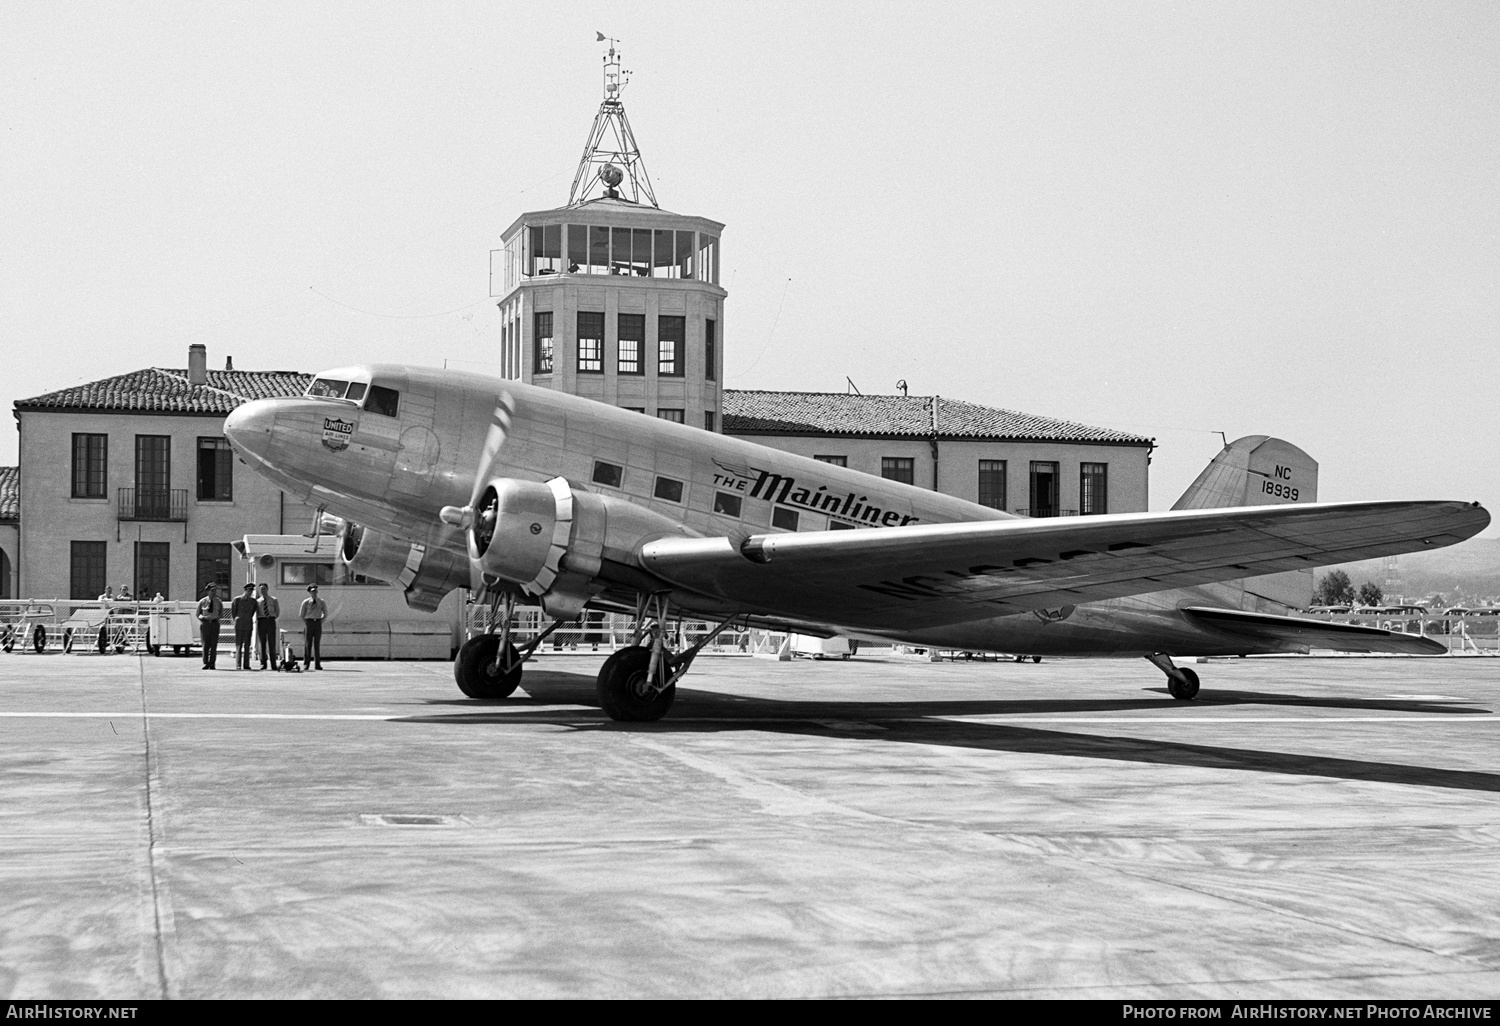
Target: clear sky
1175 219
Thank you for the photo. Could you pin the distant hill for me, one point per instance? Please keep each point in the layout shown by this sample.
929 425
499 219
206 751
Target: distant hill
1469 569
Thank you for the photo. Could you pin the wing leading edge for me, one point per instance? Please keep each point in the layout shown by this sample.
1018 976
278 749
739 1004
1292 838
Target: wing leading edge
930 575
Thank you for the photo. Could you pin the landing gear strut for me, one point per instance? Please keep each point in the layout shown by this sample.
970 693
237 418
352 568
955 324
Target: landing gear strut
1182 683
488 667
639 683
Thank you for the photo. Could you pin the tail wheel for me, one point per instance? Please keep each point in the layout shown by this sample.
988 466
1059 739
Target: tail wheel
479 675
623 691
1186 689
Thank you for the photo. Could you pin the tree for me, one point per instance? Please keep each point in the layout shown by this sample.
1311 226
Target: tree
1334 589
1370 594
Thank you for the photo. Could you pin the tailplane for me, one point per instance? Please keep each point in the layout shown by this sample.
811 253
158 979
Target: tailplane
1256 470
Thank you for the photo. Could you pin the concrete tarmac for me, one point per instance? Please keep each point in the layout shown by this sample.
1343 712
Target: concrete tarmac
882 827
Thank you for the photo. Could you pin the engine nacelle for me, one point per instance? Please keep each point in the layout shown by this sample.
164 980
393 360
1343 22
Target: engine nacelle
547 538
423 574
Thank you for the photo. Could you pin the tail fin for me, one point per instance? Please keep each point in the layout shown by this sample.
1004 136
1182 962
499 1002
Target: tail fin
1256 470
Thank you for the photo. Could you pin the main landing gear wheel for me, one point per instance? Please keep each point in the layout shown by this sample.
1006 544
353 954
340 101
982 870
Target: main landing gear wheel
478 673
1184 690
623 690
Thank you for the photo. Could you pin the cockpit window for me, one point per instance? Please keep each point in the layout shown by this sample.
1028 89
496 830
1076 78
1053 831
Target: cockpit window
382 400
328 388
356 391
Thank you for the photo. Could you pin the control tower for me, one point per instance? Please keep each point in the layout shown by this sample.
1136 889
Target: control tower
612 297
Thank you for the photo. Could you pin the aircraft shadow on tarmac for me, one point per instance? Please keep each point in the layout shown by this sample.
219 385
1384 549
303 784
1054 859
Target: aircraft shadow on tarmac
928 723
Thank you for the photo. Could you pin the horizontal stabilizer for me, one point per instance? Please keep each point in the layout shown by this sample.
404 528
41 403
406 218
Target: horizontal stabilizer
1297 632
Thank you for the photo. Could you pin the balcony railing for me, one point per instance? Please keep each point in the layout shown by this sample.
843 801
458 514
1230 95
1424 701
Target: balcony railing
1044 511
154 504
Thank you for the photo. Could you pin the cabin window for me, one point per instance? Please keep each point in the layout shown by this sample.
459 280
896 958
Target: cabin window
383 401
668 489
839 525
608 474
727 503
784 518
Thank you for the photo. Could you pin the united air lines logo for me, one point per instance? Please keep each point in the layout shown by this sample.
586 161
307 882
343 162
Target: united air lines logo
848 507
336 433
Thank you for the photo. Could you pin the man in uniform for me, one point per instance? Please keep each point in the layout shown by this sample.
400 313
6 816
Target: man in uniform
242 609
210 611
313 611
267 609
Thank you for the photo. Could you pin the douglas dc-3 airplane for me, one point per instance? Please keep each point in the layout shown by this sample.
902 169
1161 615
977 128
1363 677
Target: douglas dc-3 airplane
522 494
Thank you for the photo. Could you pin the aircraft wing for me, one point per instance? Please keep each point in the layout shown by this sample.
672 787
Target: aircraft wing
930 575
1342 637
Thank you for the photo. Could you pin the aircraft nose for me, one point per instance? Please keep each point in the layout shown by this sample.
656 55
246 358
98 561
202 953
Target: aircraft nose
248 428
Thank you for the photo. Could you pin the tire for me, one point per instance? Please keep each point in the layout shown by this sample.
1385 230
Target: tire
102 642
474 669
177 650
8 638
67 642
1036 659
1184 692
622 695
39 639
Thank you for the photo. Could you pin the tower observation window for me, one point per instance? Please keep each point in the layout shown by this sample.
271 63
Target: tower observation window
544 250
578 248
598 250
708 259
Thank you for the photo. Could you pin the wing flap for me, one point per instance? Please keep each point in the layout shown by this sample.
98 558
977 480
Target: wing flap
1297 631
929 575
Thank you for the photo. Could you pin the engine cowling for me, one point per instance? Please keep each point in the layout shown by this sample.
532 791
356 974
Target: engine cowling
545 537
424 574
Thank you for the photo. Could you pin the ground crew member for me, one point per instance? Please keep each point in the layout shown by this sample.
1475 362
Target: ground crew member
210 611
242 609
313 611
267 609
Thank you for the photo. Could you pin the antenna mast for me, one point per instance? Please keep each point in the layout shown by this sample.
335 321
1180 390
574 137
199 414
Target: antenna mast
621 165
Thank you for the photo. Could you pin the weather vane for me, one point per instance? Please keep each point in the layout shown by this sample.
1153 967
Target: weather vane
611 157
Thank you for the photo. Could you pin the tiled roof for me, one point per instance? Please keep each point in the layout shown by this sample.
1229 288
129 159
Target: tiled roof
10 493
834 413
160 390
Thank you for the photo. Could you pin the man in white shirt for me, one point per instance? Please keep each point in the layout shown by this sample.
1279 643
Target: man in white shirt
312 612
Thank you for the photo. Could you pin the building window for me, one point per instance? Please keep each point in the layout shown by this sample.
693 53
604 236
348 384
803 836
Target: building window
590 343
675 416
992 483
1093 488
632 336
708 420
213 565
727 503
153 562
153 477
90 466
668 489
86 570
708 259
833 461
896 468
215 470
784 518
710 350
598 250
306 573
671 333
633 409
542 342
608 474
1043 490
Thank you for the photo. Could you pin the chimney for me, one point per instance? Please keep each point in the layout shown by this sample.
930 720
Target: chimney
197 364
229 363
